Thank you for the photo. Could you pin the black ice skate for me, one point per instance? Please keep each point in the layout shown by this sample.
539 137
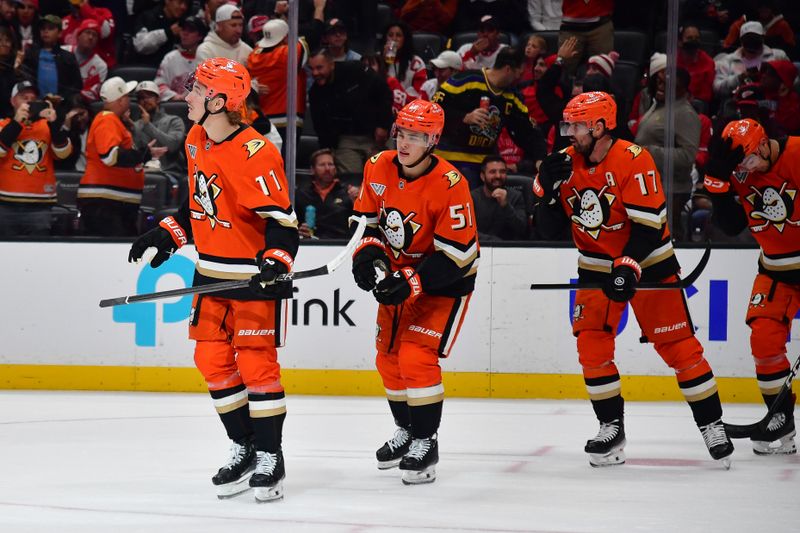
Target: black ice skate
394 449
607 448
719 445
778 437
419 464
267 481
232 478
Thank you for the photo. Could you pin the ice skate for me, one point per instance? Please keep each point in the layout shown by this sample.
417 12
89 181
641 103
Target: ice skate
719 445
607 447
394 449
777 438
232 478
267 480
419 464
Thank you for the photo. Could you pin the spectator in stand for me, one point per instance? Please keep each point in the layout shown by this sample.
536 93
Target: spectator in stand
255 28
399 60
8 76
54 70
351 107
28 143
179 65
778 33
591 24
313 13
544 15
399 95
111 187
76 123
602 64
444 66
210 11
268 66
336 40
743 64
93 69
466 142
27 28
650 135
82 10
510 15
226 39
749 101
8 13
431 16
535 48
777 79
331 200
697 63
644 98
482 53
158 30
154 125
499 212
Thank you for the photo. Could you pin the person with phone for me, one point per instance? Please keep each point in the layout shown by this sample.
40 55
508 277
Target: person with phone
153 124
29 142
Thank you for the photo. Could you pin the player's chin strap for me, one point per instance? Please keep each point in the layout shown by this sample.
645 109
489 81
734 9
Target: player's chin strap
423 157
207 112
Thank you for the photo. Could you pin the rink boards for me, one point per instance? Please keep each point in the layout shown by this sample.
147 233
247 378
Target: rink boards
515 343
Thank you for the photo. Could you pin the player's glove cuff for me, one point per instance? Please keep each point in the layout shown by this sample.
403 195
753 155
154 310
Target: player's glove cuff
629 262
715 185
175 231
282 256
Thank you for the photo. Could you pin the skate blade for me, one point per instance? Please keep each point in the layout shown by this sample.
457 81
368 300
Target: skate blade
783 446
419 477
269 494
613 457
725 462
388 465
229 490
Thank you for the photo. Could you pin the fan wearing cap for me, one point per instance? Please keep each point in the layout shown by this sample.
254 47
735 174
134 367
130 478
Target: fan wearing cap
421 232
608 191
742 65
268 65
111 186
336 40
226 38
697 62
179 65
753 181
54 70
482 53
93 69
27 24
166 130
81 10
777 79
28 144
157 31
444 66
778 32
244 227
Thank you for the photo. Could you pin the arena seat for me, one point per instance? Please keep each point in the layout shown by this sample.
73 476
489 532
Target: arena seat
134 72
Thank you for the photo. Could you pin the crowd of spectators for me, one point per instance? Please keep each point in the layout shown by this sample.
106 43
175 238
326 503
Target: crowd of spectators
102 83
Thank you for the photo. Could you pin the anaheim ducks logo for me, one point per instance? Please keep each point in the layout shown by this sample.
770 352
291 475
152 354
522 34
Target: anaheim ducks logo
206 192
758 299
773 206
398 229
29 154
492 128
591 209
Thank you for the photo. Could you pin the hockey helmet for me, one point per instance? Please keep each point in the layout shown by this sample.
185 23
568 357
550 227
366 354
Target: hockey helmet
589 108
423 117
746 133
224 77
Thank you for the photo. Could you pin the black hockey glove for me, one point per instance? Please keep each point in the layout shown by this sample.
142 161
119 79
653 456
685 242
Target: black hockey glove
367 257
723 158
621 283
166 238
271 264
402 285
555 168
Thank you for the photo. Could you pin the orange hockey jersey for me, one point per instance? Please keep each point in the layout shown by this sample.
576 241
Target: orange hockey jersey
606 201
422 217
26 167
103 178
234 187
268 67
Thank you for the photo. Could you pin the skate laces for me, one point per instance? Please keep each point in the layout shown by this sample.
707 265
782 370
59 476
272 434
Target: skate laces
714 434
419 447
237 454
608 431
400 438
266 462
776 422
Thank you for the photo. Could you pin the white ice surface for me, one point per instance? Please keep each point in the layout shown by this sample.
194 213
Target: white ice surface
79 462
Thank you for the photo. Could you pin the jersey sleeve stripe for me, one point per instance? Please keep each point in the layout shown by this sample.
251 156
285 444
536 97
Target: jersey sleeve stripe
460 254
284 217
647 219
659 254
109 159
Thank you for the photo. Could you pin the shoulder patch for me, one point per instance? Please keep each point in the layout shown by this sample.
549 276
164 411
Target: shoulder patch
379 188
253 146
635 149
192 150
374 158
453 177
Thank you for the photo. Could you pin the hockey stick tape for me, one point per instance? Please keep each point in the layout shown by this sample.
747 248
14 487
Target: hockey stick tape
148 255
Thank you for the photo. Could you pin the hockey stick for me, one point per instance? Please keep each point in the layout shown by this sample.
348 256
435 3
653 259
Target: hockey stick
332 265
646 286
736 431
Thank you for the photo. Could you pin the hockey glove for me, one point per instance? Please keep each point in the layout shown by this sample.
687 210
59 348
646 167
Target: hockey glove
367 257
271 264
723 160
402 285
555 168
166 238
621 284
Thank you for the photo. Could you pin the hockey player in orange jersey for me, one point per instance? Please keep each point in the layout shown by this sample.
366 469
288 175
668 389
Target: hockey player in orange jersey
754 181
239 213
421 232
611 193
